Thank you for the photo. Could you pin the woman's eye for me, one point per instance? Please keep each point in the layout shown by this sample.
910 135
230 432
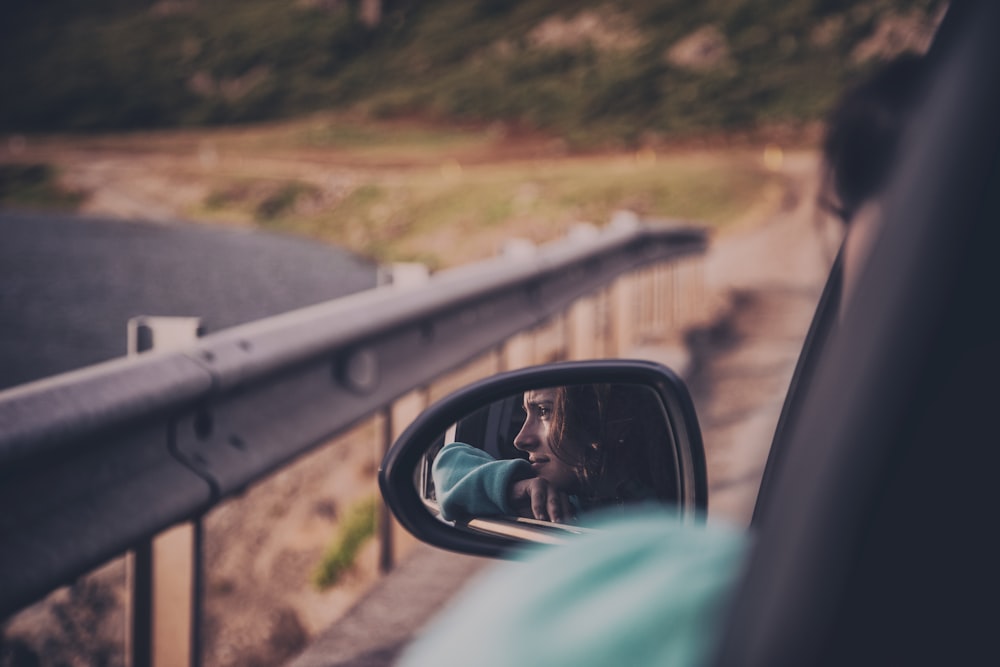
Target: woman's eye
544 412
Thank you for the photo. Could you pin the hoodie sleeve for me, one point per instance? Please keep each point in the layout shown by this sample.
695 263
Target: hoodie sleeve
642 590
470 482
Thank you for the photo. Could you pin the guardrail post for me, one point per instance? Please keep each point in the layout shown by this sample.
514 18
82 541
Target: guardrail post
653 294
581 324
163 575
550 340
689 291
675 296
622 312
402 274
661 296
397 416
700 295
517 352
602 323
644 310
583 338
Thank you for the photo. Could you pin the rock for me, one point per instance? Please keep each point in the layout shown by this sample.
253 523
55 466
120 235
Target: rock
704 49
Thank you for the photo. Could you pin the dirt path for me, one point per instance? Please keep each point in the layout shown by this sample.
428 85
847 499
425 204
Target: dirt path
766 278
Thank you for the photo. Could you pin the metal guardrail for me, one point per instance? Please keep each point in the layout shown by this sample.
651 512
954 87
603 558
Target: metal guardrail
94 461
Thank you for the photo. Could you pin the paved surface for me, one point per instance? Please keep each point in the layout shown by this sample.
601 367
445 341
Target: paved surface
69 285
765 281
377 629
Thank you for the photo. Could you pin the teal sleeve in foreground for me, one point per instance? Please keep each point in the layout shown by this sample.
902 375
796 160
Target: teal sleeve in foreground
470 482
642 591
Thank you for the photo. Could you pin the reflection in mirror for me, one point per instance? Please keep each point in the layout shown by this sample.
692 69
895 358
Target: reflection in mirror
553 454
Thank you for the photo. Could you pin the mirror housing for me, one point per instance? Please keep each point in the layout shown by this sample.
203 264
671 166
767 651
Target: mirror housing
405 464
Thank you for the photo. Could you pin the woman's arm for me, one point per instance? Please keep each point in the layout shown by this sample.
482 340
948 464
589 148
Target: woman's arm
470 482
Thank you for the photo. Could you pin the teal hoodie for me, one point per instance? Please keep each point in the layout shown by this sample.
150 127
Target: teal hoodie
646 589
470 482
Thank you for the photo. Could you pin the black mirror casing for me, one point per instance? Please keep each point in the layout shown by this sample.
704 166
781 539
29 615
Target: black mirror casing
397 472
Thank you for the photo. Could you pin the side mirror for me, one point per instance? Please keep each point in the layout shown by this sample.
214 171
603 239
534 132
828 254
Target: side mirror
481 471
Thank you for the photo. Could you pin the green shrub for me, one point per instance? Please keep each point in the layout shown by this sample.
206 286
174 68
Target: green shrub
34 185
281 201
119 64
357 527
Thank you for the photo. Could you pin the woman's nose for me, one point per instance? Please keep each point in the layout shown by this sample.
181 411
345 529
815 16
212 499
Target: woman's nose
525 440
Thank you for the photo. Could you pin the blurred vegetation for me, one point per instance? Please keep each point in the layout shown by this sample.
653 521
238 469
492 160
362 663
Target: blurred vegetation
36 186
282 200
358 526
418 213
543 64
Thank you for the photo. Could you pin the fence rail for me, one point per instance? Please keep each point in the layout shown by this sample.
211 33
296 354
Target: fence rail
96 461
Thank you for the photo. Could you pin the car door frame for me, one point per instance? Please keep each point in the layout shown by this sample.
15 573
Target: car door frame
870 540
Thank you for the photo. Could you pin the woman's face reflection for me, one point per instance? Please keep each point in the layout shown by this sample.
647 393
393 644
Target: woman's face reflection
537 436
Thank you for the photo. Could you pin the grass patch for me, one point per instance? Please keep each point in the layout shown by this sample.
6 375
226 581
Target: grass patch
357 527
282 201
447 214
227 197
338 133
34 186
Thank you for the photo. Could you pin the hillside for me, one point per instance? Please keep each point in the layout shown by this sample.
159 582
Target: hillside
590 71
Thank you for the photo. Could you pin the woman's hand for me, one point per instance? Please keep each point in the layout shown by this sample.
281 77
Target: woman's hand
536 498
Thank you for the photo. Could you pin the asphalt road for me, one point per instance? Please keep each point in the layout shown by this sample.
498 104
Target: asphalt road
68 285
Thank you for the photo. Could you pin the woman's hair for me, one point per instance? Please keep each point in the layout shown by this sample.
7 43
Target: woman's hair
617 430
863 134
578 416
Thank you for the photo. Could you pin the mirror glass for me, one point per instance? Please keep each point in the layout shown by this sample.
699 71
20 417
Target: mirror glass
549 456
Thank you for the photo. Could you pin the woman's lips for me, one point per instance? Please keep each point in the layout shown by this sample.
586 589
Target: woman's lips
537 463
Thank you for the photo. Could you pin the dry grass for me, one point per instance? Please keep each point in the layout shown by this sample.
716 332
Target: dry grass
400 191
445 197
